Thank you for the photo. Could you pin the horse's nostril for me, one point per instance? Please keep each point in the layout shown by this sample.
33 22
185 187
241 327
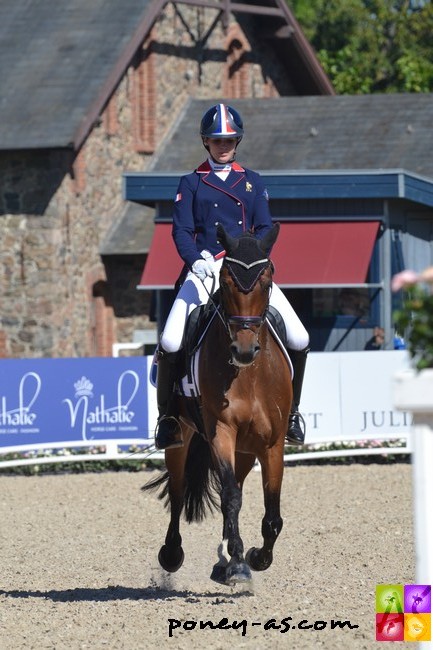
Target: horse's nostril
244 357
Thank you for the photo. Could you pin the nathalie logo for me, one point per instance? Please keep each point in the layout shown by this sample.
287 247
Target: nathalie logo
91 413
403 612
22 415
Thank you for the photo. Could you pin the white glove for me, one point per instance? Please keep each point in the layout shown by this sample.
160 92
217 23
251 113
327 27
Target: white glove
202 269
207 255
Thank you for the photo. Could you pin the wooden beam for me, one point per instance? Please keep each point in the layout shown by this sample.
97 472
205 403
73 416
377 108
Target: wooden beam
234 7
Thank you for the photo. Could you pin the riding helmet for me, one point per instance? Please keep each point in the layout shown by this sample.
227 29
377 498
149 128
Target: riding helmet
221 121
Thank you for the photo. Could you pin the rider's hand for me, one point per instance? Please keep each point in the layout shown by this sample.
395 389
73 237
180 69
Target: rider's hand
202 269
207 255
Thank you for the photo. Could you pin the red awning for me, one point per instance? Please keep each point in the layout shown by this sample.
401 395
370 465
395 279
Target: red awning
324 253
163 264
331 253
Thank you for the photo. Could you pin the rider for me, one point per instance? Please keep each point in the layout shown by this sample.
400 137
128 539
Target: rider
220 190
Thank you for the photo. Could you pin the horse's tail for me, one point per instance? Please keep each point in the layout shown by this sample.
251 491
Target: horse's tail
156 483
201 482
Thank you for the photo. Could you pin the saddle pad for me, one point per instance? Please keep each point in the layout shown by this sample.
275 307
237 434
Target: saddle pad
188 385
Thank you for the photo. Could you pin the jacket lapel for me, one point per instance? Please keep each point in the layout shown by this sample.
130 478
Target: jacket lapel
236 175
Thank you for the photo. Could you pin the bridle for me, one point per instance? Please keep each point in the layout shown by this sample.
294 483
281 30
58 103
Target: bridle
246 322
242 322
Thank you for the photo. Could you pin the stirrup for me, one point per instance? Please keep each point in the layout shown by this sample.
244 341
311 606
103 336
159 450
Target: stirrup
168 435
296 435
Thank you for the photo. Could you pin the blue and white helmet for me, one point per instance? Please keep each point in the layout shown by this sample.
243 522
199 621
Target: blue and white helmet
222 121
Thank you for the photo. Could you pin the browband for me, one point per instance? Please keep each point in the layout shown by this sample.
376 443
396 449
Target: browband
246 266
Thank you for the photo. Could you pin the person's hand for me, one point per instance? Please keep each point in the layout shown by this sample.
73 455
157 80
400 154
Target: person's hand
202 269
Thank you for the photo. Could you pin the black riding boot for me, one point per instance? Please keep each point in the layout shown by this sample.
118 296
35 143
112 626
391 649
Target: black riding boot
296 432
167 429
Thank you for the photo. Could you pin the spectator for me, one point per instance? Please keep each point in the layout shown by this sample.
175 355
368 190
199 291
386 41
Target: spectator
377 340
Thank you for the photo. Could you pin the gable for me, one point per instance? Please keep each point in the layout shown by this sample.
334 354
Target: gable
60 61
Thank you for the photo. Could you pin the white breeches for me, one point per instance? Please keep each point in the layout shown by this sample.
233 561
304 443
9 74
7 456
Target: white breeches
192 294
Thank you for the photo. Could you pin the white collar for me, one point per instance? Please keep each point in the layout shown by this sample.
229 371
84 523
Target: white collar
219 167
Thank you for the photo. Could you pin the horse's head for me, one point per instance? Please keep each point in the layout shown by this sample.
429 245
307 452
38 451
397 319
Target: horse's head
245 283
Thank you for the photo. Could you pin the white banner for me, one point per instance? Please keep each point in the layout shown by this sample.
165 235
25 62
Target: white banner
346 396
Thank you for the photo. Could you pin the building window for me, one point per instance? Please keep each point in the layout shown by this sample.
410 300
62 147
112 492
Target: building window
350 306
237 75
79 172
102 322
110 118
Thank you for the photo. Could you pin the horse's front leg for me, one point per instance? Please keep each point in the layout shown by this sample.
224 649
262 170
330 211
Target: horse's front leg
231 567
272 465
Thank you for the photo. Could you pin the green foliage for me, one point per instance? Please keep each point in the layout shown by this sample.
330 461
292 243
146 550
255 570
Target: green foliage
142 465
74 465
368 46
416 319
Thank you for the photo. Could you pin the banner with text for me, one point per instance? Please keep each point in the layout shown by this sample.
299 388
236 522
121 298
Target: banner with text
54 400
346 396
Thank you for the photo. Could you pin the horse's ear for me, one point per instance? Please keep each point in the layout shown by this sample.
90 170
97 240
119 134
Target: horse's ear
228 242
269 239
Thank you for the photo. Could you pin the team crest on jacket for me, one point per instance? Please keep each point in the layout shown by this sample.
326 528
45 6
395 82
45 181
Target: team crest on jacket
248 187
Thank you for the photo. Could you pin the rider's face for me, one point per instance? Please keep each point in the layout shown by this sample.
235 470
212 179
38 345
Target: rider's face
222 150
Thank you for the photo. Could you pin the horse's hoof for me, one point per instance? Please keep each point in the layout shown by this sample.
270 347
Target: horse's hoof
171 560
219 574
256 561
237 572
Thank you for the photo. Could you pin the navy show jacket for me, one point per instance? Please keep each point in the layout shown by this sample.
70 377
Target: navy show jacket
203 200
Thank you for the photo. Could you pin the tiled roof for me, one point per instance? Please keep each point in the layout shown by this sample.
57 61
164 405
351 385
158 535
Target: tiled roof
132 234
55 58
316 133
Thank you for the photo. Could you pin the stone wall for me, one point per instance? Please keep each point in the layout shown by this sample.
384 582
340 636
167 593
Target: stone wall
58 297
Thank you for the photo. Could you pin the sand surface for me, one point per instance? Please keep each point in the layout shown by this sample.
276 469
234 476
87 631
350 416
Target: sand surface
79 563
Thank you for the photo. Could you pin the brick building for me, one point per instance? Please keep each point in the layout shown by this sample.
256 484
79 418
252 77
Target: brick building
90 90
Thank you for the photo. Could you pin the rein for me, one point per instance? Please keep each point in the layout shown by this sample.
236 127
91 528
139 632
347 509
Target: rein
216 307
